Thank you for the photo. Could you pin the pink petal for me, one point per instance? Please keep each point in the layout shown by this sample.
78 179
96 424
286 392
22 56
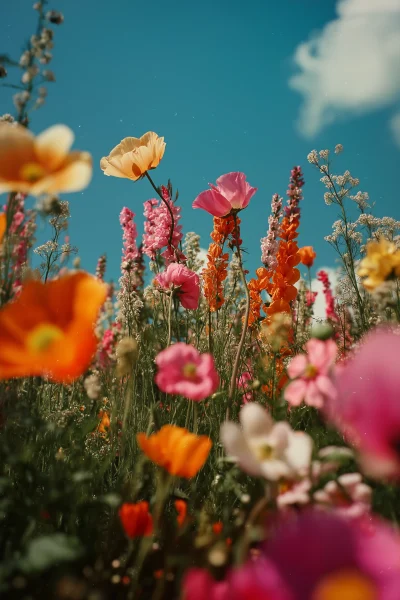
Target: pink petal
213 202
236 189
313 396
326 387
295 392
321 353
297 366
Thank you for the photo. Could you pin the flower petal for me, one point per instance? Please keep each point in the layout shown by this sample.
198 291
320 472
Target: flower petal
295 392
213 202
255 420
53 145
236 446
297 366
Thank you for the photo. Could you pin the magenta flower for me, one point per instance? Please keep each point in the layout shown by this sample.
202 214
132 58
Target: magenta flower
367 407
321 556
183 371
198 584
184 282
311 374
232 192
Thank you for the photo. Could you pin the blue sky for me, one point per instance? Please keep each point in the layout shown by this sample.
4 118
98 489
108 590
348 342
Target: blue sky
213 79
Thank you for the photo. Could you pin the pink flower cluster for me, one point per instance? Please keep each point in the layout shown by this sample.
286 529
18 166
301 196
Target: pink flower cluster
242 383
183 371
108 344
157 227
130 251
101 267
22 226
314 556
323 277
294 193
270 244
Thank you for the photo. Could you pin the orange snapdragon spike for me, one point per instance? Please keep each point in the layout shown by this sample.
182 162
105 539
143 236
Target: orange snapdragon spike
181 509
3 225
105 422
49 329
136 519
177 450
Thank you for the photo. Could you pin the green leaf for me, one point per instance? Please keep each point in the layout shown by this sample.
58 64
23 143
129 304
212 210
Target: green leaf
50 550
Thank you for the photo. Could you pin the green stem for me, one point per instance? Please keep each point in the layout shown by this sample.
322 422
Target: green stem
232 386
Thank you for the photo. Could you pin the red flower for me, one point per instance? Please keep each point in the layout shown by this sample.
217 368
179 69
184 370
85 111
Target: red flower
136 519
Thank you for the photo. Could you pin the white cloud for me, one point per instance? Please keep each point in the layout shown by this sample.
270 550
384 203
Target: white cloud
351 66
395 128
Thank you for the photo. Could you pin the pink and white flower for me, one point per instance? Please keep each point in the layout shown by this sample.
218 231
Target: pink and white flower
266 449
312 371
183 371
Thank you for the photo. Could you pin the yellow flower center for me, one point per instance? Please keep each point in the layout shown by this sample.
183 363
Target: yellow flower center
43 337
310 372
264 452
32 172
346 585
190 370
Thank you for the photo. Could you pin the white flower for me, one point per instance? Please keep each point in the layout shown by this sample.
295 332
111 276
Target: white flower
264 448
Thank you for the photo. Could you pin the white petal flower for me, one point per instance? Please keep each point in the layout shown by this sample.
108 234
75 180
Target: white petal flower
264 448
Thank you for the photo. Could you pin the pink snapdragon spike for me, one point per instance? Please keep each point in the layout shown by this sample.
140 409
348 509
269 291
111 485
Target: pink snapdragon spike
311 374
232 192
184 281
183 371
367 408
321 556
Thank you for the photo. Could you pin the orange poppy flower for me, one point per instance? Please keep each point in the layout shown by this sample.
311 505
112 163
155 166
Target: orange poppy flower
136 519
49 329
307 256
177 450
133 157
181 509
105 421
3 225
43 164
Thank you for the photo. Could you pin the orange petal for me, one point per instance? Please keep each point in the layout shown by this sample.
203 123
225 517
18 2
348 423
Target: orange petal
53 145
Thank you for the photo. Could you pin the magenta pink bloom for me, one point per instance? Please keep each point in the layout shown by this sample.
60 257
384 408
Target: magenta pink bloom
183 371
232 192
322 556
311 373
367 406
185 282
198 584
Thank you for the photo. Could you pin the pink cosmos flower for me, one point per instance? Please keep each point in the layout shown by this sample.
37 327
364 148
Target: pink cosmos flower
232 192
184 281
349 495
367 407
182 370
312 372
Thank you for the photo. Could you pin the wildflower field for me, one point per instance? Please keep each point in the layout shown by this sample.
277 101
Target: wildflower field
194 432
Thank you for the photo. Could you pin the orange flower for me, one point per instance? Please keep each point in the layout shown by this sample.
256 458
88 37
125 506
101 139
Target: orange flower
105 421
49 329
176 450
181 509
215 273
217 527
43 164
133 157
3 225
307 256
136 519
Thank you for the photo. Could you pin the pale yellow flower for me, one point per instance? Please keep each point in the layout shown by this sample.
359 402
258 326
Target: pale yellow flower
41 164
381 263
133 157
